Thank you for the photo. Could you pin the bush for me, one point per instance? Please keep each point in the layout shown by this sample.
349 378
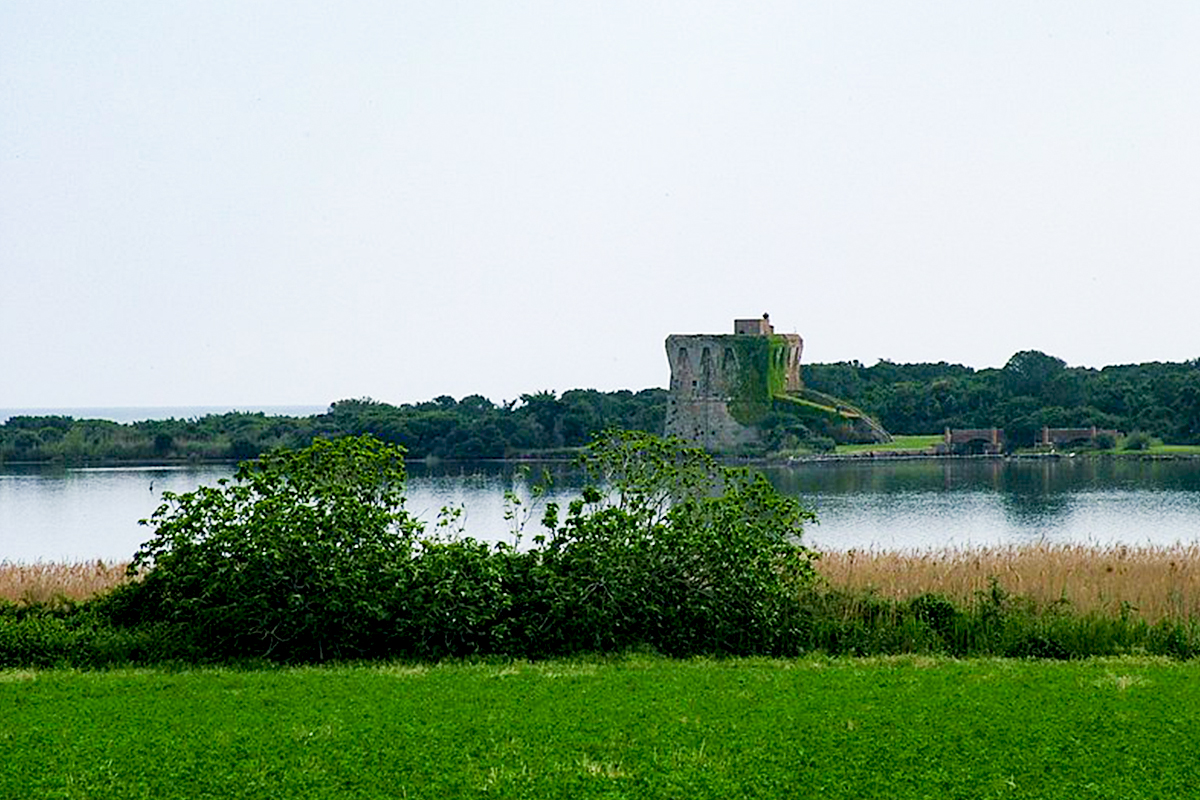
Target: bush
49 635
671 550
1138 440
458 601
309 555
821 444
299 557
935 611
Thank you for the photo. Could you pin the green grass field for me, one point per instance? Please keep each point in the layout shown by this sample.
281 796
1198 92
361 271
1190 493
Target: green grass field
899 444
634 727
1174 449
916 444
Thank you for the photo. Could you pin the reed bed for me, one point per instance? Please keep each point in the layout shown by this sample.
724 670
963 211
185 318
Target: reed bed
1153 583
45 582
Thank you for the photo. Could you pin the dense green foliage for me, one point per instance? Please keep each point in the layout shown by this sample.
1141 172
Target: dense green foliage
1154 400
473 427
233 436
995 623
309 555
468 601
300 554
628 727
1032 390
679 554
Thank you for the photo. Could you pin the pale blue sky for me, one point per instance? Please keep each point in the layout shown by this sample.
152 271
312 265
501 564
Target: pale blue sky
297 202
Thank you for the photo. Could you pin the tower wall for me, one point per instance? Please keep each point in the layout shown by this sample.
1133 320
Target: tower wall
722 385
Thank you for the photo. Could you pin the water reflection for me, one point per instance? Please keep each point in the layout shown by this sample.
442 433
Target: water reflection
478 489
1034 498
56 514
970 502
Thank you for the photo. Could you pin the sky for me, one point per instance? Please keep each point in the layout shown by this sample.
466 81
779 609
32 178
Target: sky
239 202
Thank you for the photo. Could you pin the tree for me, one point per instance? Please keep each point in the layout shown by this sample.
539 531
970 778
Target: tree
1187 407
476 405
1030 371
547 412
163 442
298 557
841 379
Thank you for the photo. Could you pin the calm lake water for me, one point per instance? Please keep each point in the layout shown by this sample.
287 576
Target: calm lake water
55 514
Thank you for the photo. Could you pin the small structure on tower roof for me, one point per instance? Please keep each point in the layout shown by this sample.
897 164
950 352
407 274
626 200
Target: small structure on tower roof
754 327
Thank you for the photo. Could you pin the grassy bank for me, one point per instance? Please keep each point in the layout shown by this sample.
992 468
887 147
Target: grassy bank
899 444
626 727
1174 449
924 445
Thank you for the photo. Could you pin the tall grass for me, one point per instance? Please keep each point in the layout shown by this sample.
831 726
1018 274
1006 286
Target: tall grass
1151 582
1154 583
1035 601
43 582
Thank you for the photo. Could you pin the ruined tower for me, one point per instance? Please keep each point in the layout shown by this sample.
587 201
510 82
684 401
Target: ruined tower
723 385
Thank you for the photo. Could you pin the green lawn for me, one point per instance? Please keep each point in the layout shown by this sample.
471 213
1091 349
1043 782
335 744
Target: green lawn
636 727
1175 449
902 444
897 445
1152 450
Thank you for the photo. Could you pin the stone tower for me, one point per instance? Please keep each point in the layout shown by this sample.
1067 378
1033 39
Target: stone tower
722 385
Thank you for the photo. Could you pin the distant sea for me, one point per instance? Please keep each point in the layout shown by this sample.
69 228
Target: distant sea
139 414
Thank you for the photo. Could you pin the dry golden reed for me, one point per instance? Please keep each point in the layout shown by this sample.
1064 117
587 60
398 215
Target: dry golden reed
1152 582
44 582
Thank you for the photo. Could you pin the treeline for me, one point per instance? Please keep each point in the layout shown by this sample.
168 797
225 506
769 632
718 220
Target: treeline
473 427
1031 391
232 436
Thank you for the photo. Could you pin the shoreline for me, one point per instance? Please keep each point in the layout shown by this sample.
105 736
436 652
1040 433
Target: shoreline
561 458
879 456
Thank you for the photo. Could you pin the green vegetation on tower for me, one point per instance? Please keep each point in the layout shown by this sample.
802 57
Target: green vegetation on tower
762 375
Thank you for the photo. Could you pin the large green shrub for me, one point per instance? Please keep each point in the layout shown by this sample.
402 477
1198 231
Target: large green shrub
310 555
299 556
1138 440
459 601
672 550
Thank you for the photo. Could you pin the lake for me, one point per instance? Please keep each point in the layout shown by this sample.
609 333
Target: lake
55 514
